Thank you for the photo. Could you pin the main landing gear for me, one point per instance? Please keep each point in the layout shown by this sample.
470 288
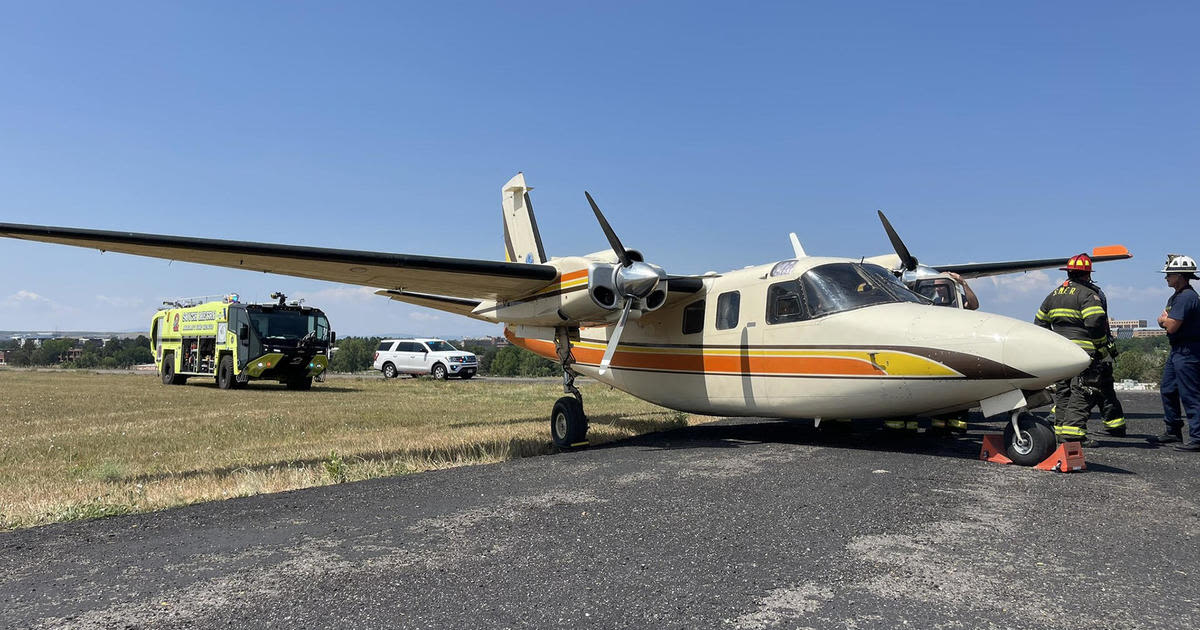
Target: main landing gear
568 425
1028 439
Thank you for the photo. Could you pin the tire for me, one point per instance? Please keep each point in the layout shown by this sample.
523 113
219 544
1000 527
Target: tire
439 371
169 377
1037 440
568 425
389 371
303 383
225 376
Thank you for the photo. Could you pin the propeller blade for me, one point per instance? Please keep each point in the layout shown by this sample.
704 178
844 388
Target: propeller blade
906 258
616 338
608 231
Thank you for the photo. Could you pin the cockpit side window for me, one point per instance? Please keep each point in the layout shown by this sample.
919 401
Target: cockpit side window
785 303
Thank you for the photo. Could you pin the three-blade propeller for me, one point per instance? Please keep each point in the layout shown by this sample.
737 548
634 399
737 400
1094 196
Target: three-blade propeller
634 280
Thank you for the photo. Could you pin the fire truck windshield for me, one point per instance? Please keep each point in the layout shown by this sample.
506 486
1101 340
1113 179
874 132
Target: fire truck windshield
289 325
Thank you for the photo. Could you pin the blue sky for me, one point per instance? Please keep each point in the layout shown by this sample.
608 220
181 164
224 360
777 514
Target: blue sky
706 131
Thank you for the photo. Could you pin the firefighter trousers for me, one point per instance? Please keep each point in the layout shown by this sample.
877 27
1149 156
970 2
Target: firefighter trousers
1181 384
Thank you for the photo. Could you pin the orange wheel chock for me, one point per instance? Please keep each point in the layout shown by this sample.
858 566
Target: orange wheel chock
993 449
1068 457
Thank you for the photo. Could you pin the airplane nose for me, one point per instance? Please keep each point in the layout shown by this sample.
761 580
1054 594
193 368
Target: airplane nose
1041 353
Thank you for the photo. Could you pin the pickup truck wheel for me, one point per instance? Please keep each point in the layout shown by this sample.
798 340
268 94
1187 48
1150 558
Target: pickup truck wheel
439 372
389 371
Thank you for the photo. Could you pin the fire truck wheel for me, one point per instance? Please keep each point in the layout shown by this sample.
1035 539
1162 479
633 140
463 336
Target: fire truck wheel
169 377
168 369
225 377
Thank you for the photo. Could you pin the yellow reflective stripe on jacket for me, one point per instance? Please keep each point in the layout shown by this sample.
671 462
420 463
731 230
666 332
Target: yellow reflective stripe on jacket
1092 310
1067 312
1041 315
1083 343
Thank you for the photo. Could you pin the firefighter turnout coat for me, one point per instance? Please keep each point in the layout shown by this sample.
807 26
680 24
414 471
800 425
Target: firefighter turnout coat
1076 311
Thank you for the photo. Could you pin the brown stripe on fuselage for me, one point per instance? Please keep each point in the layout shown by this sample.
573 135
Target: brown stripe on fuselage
970 366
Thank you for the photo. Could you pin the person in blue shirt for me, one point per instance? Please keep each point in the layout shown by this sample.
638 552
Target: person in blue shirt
1181 373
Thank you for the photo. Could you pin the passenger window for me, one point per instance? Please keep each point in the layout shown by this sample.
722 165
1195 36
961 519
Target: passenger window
784 303
728 307
385 346
693 317
408 346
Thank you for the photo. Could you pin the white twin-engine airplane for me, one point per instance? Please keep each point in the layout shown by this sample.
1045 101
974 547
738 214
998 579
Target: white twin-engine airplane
809 337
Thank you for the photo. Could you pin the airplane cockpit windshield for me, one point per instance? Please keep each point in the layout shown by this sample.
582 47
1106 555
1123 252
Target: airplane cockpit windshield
833 288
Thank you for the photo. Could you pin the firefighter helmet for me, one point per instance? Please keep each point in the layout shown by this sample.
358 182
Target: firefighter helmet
1082 262
1177 263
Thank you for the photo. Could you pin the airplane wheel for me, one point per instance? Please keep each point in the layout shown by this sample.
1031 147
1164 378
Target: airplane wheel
568 425
1033 443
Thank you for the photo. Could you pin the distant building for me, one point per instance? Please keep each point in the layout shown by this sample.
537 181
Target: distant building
1149 332
1123 328
3 361
36 338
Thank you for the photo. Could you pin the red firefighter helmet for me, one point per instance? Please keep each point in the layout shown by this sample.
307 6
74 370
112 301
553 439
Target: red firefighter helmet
1082 262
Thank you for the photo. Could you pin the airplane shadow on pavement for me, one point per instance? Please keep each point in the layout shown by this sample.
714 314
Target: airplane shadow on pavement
860 435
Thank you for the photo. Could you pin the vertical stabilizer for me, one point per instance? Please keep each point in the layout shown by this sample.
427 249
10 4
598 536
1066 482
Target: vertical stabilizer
522 242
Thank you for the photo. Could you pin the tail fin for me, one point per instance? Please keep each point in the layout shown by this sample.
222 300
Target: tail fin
522 242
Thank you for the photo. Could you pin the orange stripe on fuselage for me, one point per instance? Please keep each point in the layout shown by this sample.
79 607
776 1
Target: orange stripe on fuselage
837 366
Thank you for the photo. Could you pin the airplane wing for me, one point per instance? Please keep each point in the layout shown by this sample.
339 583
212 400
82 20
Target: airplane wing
979 270
451 277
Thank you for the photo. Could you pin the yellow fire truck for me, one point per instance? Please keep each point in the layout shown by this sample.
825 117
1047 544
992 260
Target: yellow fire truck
235 342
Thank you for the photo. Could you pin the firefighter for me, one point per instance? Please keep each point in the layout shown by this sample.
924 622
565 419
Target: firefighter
1181 374
1076 310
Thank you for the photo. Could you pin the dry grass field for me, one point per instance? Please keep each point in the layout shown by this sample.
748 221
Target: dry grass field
82 445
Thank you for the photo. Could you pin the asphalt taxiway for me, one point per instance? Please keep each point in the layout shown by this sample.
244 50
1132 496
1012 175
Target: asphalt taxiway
745 524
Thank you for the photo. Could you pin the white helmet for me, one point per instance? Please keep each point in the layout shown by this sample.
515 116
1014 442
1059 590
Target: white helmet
1178 263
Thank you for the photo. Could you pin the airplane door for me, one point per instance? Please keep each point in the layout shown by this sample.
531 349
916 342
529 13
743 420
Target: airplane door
735 339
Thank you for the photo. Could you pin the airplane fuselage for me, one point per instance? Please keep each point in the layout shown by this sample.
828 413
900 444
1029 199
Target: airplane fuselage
730 350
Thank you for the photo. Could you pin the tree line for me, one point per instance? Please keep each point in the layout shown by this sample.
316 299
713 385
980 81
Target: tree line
115 354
